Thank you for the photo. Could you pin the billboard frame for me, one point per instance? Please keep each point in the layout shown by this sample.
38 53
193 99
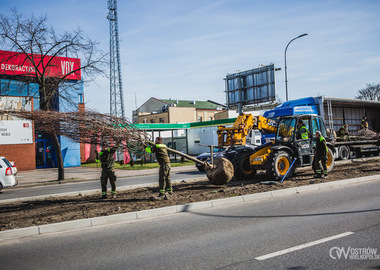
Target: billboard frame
250 87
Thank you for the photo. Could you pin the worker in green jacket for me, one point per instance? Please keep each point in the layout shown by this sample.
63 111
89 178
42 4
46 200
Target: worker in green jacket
320 156
162 157
107 162
302 131
364 124
343 131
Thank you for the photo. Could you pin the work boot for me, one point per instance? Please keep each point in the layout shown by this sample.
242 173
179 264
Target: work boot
113 196
104 196
318 176
325 176
161 195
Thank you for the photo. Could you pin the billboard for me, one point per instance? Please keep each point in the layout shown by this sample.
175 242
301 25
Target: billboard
16 132
248 87
14 63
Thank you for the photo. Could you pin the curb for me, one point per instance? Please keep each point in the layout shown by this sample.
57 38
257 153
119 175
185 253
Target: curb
151 213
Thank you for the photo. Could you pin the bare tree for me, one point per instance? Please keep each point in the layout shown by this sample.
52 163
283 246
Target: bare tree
371 92
36 42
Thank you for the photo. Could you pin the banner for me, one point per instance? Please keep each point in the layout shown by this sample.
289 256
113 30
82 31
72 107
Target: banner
14 63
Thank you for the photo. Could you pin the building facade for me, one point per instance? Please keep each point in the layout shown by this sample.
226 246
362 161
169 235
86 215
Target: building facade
19 141
176 111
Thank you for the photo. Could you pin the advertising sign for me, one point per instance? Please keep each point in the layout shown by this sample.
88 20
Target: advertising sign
14 63
253 86
16 132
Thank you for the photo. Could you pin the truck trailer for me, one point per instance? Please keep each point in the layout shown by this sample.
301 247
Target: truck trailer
337 112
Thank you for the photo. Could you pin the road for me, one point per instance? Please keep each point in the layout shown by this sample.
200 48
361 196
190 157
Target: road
93 185
304 231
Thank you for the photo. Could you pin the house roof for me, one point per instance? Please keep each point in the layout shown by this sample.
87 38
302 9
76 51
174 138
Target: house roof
206 105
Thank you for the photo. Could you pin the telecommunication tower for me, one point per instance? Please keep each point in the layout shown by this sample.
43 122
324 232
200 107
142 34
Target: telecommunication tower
116 87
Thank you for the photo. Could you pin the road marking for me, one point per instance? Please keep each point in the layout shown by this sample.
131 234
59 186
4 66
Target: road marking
284 251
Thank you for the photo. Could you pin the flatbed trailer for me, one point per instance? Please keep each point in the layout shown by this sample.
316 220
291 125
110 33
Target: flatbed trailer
358 148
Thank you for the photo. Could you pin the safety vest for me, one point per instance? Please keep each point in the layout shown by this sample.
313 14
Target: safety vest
304 133
342 131
97 160
321 138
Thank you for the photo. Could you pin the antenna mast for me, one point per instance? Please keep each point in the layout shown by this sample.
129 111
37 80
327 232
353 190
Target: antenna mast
116 87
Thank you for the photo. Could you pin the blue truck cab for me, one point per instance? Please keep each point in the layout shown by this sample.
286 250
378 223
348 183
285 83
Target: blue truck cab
309 105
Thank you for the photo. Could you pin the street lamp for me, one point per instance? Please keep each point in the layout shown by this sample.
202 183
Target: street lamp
286 74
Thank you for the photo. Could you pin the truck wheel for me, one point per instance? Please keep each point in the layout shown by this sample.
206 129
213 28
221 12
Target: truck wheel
242 166
278 165
344 152
330 160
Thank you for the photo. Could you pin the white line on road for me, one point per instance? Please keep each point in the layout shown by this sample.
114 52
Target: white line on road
284 251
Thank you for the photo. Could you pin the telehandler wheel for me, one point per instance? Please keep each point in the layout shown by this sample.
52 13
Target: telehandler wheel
278 165
330 160
242 166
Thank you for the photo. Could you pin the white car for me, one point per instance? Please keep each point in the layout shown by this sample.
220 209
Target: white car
8 171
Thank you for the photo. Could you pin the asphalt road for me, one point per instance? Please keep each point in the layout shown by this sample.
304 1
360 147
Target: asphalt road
304 231
17 193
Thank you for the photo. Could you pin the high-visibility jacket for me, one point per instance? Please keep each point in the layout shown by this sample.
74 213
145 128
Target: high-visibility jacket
342 131
303 133
106 158
161 153
321 147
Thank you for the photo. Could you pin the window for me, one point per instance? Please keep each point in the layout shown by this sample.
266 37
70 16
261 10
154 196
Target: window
152 121
161 120
210 118
199 118
285 131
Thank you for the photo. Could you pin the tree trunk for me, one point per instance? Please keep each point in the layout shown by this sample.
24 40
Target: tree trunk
57 147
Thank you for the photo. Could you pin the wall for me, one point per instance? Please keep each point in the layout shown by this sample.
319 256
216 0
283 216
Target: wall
155 117
207 115
22 154
182 115
71 151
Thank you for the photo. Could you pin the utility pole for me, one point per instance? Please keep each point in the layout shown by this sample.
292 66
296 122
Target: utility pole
116 86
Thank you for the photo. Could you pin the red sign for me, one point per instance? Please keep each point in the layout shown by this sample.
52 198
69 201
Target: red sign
14 63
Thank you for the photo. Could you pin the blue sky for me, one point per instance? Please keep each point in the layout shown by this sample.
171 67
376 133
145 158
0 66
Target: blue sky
183 49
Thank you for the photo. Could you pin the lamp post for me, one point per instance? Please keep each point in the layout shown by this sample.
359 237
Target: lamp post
286 74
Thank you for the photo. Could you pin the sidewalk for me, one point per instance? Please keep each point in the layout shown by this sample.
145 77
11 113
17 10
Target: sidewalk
78 174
